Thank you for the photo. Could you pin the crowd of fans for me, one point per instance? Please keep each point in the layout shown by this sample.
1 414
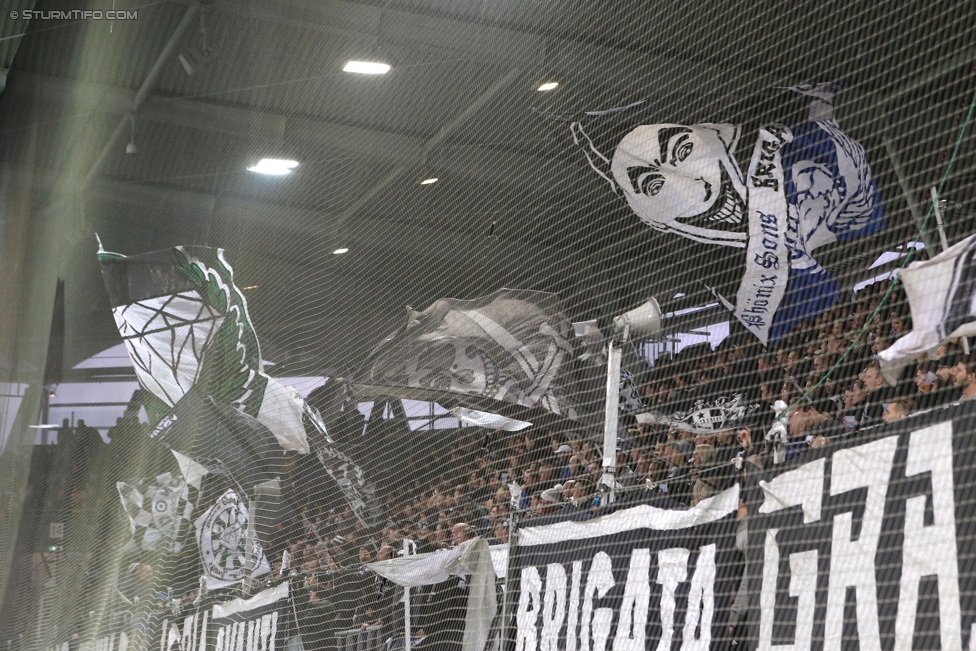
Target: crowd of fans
825 372
821 383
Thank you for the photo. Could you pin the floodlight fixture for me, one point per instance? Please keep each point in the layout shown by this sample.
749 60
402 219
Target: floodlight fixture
199 56
274 166
367 67
549 85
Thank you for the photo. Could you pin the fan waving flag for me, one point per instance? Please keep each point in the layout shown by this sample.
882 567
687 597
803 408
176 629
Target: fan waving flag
942 295
793 185
186 327
512 346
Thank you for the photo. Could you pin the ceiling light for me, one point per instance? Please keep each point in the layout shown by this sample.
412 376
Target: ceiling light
367 67
275 166
428 181
340 251
549 85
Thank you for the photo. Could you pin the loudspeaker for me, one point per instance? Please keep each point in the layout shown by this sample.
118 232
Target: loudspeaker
644 321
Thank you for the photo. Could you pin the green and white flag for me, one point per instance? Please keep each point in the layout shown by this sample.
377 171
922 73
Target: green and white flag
179 313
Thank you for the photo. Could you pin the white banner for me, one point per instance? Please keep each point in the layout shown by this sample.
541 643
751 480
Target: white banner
767 258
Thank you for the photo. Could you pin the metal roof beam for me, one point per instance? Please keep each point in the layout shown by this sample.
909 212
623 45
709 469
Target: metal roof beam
484 164
510 48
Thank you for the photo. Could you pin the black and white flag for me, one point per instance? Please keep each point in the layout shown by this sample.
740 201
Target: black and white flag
188 332
644 577
179 312
151 505
867 543
777 192
942 295
259 623
158 507
513 346
222 535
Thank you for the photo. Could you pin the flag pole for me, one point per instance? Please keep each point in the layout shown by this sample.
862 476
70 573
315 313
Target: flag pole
614 356
409 549
249 549
938 218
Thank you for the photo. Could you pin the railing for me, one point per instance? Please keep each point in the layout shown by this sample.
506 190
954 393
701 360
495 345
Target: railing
359 639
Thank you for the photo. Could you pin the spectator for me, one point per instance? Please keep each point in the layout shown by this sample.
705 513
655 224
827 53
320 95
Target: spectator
898 409
564 455
622 473
88 438
65 432
136 587
550 500
461 532
777 438
874 395
678 482
706 482
500 534
928 385
965 376
582 495
725 450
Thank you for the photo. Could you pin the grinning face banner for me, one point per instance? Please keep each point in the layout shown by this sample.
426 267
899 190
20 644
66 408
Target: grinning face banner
684 179
779 192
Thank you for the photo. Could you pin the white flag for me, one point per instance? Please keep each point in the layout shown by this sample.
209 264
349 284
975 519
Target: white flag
942 295
158 506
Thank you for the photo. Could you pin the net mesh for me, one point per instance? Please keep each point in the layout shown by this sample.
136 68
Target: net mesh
361 404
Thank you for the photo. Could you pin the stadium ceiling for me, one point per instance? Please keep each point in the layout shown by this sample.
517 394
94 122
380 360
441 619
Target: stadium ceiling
513 206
